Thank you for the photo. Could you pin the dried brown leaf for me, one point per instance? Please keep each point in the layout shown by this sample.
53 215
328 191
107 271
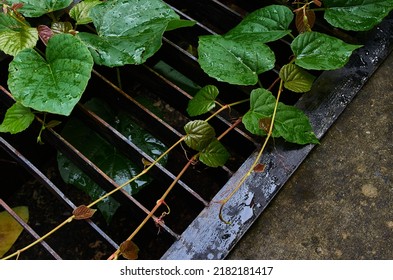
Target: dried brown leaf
129 250
305 20
83 212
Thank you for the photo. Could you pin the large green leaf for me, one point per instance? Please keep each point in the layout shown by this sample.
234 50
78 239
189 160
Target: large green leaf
17 119
129 31
203 101
290 122
314 50
16 35
54 84
356 15
264 25
10 229
199 134
34 8
235 61
109 159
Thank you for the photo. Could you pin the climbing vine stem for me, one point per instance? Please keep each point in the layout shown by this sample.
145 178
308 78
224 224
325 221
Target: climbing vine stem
257 159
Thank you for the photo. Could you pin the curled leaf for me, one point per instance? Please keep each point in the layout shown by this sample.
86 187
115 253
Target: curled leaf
83 212
129 250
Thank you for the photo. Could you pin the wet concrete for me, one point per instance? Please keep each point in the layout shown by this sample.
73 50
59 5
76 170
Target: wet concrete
339 203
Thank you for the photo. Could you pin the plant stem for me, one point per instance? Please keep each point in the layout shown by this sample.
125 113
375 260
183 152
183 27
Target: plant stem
224 107
116 254
257 159
161 201
144 171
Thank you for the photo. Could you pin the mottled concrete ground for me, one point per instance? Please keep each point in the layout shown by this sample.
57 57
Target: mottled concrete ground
339 203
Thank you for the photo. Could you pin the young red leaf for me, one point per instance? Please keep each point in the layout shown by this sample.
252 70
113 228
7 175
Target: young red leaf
45 33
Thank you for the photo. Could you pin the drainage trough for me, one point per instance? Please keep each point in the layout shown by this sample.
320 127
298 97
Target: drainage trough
193 229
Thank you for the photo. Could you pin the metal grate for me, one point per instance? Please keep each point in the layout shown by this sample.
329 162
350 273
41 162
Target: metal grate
193 230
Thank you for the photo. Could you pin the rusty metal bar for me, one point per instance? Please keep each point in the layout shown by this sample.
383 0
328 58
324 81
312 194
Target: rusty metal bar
133 151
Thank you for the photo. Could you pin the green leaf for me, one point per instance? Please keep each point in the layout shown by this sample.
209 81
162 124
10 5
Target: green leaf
295 78
34 8
61 27
103 154
356 15
293 125
17 118
10 229
214 155
179 23
319 51
262 104
118 51
129 31
53 85
199 134
264 25
16 36
235 61
203 101
80 12
290 122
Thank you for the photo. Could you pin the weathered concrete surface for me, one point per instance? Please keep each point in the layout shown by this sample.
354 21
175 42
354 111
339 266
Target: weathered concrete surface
339 203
